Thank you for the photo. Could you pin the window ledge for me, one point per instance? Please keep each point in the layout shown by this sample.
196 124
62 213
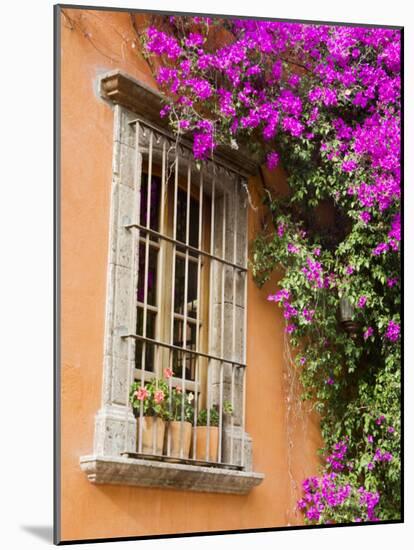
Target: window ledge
148 473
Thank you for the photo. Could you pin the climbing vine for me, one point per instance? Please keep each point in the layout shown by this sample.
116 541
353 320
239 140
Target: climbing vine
324 101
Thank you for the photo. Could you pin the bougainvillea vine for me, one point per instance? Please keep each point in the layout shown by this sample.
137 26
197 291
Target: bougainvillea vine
323 101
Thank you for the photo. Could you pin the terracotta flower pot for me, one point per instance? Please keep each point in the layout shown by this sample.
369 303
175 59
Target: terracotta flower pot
179 433
153 429
201 443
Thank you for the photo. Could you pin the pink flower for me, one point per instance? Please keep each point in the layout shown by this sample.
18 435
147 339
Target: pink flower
272 160
382 456
293 126
349 165
280 296
168 372
369 332
164 111
292 248
329 381
159 396
184 124
141 393
308 314
290 328
290 311
393 331
194 40
365 216
380 249
362 301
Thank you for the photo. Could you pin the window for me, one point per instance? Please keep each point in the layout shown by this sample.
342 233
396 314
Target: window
190 289
161 298
176 298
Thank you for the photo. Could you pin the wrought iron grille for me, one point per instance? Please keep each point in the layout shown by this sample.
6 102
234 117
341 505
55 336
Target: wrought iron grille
190 277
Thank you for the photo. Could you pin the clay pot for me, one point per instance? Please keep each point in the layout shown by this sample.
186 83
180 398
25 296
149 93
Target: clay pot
179 434
153 430
201 443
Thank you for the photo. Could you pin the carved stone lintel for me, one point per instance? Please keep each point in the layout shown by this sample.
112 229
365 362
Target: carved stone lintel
122 89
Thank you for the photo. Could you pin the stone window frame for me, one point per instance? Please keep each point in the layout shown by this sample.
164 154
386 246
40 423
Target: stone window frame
129 99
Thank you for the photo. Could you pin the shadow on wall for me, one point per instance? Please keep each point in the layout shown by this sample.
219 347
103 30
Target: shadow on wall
43 532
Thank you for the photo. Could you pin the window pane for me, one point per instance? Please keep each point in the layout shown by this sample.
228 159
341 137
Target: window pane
179 285
182 219
192 290
149 348
181 215
179 298
189 339
194 222
152 275
154 202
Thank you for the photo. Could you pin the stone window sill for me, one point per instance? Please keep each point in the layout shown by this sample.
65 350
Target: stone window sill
150 473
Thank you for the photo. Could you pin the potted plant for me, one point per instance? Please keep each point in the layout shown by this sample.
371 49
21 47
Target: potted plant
181 417
149 405
207 432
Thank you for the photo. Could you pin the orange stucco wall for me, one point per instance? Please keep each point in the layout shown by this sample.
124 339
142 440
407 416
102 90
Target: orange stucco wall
285 438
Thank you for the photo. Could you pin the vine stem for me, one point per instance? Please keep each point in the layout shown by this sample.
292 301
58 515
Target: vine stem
293 414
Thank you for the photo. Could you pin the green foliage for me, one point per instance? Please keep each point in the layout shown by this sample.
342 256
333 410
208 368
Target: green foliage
352 381
326 102
203 415
181 405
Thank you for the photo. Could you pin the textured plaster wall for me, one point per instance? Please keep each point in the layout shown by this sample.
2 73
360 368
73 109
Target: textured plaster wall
284 439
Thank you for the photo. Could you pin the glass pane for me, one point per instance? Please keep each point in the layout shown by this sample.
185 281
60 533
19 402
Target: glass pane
194 222
179 297
189 339
182 219
192 290
179 285
154 213
181 215
152 275
151 318
149 348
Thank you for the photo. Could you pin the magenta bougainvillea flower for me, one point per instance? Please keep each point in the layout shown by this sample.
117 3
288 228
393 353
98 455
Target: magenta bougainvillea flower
272 160
325 102
369 332
393 331
362 301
